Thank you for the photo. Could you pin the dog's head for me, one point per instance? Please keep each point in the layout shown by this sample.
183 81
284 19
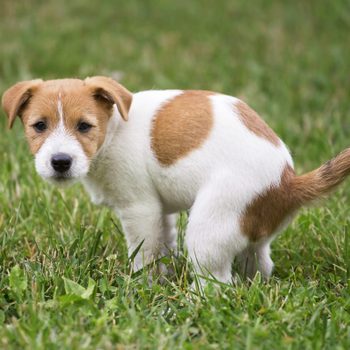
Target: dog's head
66 121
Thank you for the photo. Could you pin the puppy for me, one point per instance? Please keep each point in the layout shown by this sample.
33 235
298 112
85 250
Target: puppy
150 154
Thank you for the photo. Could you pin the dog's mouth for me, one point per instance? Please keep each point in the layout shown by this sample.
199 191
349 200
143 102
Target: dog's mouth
62 179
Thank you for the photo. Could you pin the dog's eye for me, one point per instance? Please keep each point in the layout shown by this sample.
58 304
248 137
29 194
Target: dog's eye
40 126
84 127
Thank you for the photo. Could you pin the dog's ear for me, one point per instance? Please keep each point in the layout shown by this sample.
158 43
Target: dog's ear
15 99
110 92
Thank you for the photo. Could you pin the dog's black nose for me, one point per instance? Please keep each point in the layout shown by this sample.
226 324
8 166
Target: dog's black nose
61 162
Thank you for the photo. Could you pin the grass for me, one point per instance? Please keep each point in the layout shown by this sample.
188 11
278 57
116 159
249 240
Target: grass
65 281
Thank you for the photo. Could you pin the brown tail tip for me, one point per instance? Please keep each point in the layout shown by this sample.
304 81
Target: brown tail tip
319 182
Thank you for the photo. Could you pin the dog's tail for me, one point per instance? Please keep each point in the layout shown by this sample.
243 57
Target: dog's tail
317 183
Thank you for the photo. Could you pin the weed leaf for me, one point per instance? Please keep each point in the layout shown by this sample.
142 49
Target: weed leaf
18 281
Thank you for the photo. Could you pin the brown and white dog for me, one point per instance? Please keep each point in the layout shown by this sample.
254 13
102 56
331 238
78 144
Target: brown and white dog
151 154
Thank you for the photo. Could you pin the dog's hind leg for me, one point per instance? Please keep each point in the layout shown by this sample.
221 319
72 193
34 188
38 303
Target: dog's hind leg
213 236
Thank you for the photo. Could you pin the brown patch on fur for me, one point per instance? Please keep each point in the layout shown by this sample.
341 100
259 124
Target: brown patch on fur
268 210
319 182
255 124
109 92
15 99
78 105
81 101
83 108
42 107
181 126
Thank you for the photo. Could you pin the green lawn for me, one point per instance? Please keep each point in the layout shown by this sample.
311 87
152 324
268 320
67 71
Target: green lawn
64 276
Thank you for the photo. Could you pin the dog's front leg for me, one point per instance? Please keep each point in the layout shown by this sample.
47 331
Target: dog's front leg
143 225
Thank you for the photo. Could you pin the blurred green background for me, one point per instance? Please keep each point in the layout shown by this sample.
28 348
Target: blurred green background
289 60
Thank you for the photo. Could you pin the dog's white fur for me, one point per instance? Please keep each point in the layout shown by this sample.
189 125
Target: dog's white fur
216 181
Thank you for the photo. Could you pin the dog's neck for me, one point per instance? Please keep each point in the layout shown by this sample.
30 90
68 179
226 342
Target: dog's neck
112 128
94 181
